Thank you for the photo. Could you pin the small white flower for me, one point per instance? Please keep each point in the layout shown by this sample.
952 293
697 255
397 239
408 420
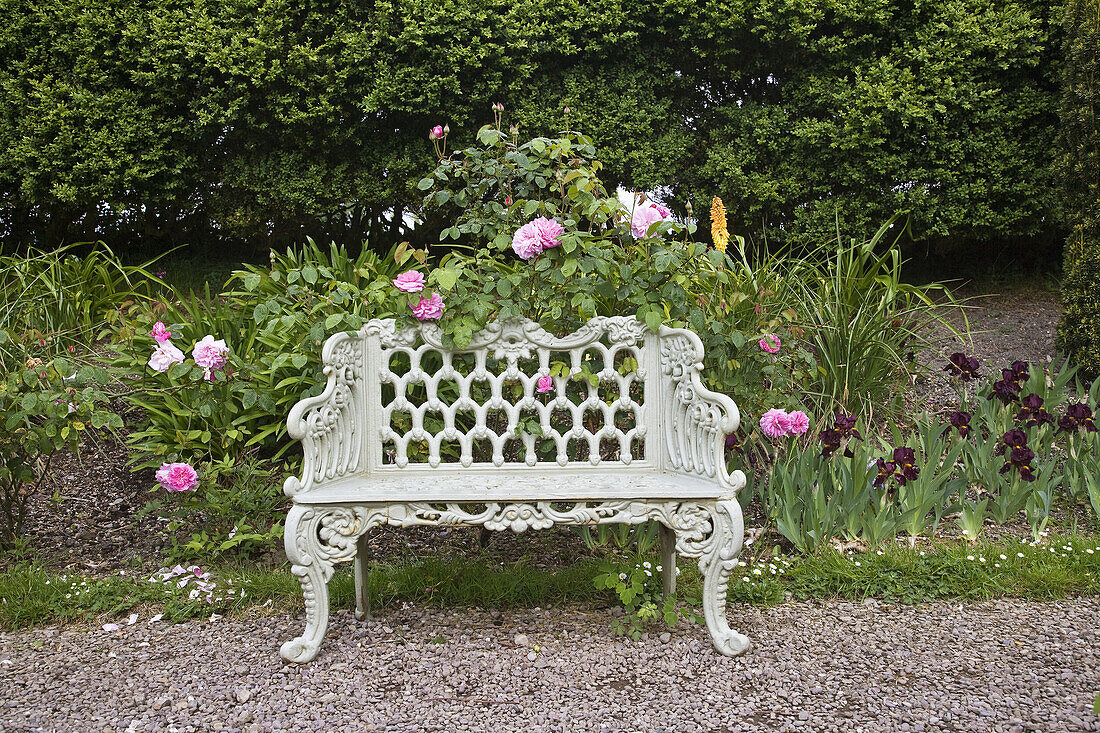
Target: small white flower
996 565
1088 550
646 565
756 571
922 553
658 568
969 557
677 571
859 563
622 576
740 563
746 579
1019 554
878 552
1003 557
982 559
648 574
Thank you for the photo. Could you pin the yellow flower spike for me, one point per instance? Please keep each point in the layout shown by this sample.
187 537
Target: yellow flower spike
718 230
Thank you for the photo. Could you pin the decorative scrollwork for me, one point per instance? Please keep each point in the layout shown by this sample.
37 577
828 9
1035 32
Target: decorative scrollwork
319 536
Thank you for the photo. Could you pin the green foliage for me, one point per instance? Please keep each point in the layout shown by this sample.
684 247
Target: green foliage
640 591
59 302
46 407
1079 330
274 321
236 509
816 499
864 323
260 122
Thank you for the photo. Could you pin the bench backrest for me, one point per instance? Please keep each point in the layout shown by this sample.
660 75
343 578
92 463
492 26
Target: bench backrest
481 406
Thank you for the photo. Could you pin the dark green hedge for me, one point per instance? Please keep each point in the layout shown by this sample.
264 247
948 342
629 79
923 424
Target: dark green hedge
254 122
1079 332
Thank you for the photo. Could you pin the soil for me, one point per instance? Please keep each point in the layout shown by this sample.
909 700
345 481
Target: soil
84 518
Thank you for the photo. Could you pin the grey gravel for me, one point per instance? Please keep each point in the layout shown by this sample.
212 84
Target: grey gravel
999 666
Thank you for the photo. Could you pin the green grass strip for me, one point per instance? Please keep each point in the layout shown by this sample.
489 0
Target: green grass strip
1066 566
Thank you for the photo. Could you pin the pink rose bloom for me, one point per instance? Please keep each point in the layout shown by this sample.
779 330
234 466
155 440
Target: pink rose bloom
798 422
770 343
177 477
429 309
643 218
210 354
164 356
161 332
662 210
437 132
535 236
409 282
549 232
775 423
545 384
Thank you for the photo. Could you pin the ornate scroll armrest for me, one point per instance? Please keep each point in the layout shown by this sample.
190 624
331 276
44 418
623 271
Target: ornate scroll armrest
699 418
327 424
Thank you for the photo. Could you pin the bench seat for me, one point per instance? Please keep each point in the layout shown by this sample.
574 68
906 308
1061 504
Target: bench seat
503 485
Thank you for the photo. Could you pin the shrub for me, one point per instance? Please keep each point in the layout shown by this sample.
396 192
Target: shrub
1079 331
46 407
274 321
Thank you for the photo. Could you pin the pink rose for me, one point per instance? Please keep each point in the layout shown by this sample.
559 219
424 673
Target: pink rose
164 356
545 384
662 210
798 422
210 354
549 232
643 218
177 477
535 236
409 282
437 132
161 332
770 343
775 423
429 309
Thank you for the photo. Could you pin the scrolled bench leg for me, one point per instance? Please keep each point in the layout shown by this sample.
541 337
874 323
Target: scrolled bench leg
716 564
313 574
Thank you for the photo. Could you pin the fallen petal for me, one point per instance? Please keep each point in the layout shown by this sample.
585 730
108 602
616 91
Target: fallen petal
110 627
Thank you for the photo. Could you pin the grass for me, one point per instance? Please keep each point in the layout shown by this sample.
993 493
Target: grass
30 595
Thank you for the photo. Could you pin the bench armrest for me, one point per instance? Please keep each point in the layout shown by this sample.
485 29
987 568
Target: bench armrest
328 425
697 419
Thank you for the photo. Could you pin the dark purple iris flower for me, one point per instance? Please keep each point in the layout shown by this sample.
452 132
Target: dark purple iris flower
846 424
906 469
733 443
1033 413
962 366
844 427
1007 389
885 472
1077 416
1014 438
1020 458
960 420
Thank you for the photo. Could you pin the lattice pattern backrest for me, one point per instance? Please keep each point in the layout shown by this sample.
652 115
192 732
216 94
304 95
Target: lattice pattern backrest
481 406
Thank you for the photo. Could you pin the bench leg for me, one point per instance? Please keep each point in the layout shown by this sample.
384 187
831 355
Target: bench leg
313 574
668 559
716 563
362 579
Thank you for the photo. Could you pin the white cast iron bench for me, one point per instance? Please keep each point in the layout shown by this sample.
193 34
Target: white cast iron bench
407 433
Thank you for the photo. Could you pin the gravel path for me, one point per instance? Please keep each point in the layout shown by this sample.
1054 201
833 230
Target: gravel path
997 666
